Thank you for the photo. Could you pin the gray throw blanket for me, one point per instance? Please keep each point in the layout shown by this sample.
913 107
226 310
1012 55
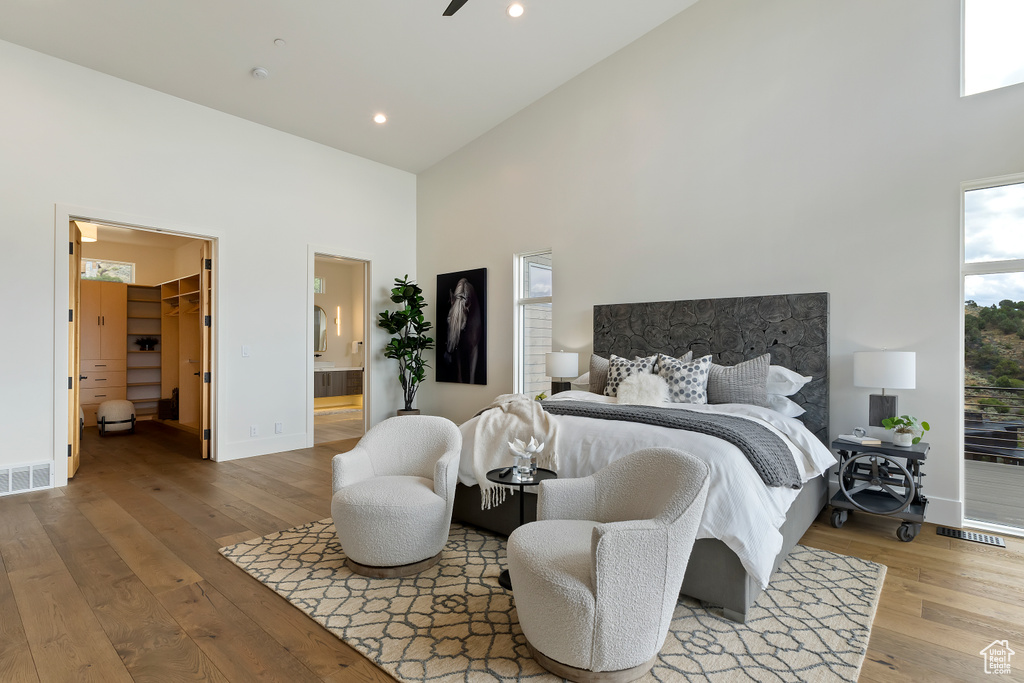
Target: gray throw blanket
766 451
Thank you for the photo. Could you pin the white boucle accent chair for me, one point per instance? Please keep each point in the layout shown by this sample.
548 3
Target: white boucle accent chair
393 495
597 577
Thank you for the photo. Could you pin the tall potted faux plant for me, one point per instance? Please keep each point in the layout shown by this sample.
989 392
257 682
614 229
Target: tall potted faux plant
411 341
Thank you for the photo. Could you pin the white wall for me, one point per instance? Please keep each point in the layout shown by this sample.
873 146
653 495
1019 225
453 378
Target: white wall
153 265
162 162
187 260
742 148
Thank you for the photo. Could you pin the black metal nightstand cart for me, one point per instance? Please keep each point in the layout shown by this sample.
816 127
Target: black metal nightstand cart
882 480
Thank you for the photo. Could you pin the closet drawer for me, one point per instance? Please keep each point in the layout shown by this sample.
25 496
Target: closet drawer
87 396
112 365
100 380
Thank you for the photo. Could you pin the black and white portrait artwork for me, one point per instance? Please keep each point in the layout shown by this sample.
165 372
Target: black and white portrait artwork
462 332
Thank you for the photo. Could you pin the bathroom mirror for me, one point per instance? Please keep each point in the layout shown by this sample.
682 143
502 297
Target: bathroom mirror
319 329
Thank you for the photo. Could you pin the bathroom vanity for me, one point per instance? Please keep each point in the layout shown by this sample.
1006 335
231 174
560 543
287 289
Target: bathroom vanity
332 381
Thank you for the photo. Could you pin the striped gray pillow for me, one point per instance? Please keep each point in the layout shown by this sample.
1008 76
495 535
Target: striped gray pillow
598 373
745 382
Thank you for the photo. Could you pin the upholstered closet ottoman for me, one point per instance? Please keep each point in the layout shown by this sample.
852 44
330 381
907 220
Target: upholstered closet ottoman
116 416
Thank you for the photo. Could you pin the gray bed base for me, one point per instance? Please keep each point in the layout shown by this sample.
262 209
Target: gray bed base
714 574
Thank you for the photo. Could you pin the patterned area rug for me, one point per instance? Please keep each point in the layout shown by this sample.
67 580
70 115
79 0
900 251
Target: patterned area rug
453 622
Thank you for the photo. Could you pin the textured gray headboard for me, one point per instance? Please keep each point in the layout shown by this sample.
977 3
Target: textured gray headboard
793 328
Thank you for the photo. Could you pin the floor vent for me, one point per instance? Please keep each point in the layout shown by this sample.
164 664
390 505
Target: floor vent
987 539
22 478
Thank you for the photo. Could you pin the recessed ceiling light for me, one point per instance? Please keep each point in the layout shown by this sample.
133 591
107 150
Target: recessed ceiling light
259 73
279 42
515 10
380 118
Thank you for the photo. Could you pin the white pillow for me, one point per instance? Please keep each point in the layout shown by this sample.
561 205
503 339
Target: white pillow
784 382
648 390
581 383
781 404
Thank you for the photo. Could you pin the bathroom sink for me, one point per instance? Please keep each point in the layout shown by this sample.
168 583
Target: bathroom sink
323 364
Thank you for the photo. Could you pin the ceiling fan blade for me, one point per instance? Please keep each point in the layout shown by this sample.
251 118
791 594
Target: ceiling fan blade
454 7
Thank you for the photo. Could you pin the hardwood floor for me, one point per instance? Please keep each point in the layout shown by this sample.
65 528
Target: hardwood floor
338 426
117 577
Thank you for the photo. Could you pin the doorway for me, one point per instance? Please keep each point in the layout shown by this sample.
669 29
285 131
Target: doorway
140 334
340 321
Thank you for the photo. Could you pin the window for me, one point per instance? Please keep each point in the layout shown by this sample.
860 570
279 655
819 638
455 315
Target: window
109 271
318 285
993 51
532 322
993 271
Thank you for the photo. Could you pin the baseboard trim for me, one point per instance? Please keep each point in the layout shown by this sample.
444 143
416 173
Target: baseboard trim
252 448
945 512
994 528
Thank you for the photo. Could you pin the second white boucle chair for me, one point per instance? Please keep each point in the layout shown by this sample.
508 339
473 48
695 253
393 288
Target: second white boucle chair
597 577
393 495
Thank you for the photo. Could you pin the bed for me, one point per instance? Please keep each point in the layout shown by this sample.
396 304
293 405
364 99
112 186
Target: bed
793 329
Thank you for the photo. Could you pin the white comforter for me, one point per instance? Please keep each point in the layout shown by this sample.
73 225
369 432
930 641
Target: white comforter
741 511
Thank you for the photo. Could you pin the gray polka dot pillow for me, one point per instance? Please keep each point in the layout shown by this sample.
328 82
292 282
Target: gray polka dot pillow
620 368
687 379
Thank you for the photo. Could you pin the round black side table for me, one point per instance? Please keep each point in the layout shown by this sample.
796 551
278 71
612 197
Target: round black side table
504 477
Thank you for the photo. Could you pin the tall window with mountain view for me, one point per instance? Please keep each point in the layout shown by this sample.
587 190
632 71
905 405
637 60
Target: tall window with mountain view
993 271
533 322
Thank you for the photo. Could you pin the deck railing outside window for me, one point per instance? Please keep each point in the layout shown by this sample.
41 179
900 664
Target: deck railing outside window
994 424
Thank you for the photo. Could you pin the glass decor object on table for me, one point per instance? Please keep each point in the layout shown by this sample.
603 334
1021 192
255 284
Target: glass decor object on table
525 463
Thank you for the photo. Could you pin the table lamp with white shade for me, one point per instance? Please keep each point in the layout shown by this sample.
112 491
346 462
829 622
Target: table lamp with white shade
562 367
884 370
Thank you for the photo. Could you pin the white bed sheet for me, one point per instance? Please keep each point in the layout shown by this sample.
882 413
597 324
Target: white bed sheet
741 510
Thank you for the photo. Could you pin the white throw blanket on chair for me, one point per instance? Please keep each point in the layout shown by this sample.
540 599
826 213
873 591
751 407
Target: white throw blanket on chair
510 416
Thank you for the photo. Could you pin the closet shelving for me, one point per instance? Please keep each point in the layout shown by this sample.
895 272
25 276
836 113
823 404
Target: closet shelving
143 376
181 352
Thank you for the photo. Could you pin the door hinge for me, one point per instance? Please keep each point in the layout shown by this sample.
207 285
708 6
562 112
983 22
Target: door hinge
206 321
70 385
209 264
206 435
71 315
71 248
69 450
206 378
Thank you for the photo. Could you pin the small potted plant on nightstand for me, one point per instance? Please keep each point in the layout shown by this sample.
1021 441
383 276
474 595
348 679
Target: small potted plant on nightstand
906 429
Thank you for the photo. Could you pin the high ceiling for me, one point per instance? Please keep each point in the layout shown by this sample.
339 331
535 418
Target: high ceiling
441 81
